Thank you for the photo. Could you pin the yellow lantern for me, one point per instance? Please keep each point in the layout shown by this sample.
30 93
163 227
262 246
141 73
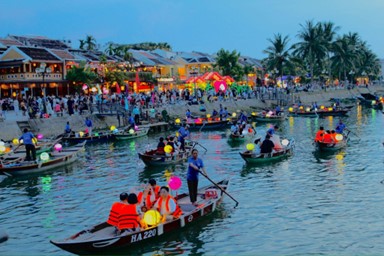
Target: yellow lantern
301 107
290 109
330 109
177 120
322 107
308 109
208 115
373 102
168 149
15 141
254 113
81 134
113 128
339 137
34 140
152 217
250 147
131 131
2 148
234 114
177 134
44 156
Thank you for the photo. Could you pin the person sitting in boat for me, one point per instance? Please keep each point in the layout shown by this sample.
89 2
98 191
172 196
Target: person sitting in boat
315 106
160 147
340 127
188 114
319 134
327 138
215 113
67 129
129 215
225 113
267 145
243 117
171 143
234 129
117 210
149 196
278 110
167 205
333 135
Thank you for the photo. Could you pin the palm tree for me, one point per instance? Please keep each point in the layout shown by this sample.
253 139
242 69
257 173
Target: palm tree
328 31
227 63
343 56
312 47
278 53
90 42
111 48
82 44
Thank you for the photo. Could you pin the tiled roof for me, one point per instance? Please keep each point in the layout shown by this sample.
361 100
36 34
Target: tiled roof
63 54
10 42
38 53
39 41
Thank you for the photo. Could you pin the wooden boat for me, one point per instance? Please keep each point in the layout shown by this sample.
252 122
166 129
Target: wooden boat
96 137
103 239
329 147
152 158
320 112
13 166
203 123
125 135
265 117
252 158
237 137
370 100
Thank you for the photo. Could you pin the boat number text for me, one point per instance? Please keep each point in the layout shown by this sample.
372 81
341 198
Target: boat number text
141 236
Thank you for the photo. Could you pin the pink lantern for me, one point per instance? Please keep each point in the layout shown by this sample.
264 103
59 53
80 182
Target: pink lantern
136 128
105 91
58 147
40 136
85 87
220 85
174 183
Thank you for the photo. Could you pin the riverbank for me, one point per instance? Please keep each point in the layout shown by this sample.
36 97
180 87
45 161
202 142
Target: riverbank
54 126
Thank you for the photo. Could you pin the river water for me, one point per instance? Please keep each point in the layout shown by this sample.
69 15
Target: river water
307 204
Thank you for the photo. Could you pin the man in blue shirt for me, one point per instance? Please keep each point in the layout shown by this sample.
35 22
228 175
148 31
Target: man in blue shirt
340 127
29 146
67 128
272 130
183 133
195 164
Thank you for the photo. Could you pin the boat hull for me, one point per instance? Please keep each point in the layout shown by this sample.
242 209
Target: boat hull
206 125
80 245
320 113
330 147
266 158
127 136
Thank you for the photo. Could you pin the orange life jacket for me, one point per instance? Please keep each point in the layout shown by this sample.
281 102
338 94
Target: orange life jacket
318 135
327 138
129 217
148 202
114 214
333 136
176 213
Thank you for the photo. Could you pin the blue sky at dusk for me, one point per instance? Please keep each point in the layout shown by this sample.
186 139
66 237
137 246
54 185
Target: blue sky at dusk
200 25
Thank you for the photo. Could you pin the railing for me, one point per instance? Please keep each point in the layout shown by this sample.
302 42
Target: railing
31 76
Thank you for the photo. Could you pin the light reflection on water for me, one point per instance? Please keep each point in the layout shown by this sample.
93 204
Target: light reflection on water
308 203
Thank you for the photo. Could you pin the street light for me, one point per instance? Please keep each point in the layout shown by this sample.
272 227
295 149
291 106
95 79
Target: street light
42 71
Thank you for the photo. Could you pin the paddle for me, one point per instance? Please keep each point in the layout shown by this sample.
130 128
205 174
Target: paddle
202 126
222 190
353 133
197 143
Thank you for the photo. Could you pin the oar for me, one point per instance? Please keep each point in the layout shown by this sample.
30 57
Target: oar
353 133
202 126
222 190
197 143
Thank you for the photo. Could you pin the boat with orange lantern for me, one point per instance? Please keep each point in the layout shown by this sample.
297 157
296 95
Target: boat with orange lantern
341 139
321 112
202 123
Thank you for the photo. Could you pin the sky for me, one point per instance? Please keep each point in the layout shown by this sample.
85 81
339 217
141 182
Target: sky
199 25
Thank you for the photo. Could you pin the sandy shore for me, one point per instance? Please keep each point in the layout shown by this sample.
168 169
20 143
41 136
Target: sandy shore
55 125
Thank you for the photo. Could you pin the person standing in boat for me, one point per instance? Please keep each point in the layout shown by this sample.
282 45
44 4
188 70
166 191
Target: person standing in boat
340 127
89 125
183 133
167 205
27 138
195 165
67 129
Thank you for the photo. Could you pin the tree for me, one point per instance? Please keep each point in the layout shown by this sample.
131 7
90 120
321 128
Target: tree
312 47
227 62
81 75
343 56
278 53
82 44
90 43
